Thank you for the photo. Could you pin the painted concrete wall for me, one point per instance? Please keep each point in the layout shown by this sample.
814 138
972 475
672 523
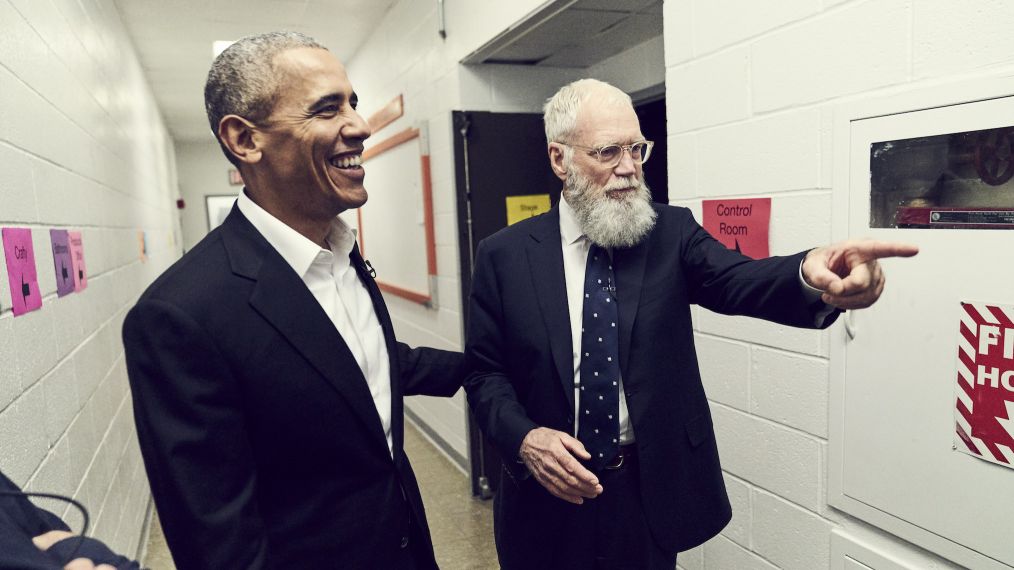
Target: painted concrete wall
82 147
750 102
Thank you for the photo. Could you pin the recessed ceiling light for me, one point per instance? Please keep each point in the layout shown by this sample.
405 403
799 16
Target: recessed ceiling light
219 46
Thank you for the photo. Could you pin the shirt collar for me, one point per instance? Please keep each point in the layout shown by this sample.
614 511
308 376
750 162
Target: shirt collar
295 248
570 230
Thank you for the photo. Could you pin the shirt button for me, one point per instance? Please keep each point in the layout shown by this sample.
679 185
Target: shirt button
404 542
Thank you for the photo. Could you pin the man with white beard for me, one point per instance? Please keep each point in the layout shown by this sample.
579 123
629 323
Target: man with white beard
580 345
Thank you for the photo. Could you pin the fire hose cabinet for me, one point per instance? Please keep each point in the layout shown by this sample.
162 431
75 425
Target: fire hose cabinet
921 439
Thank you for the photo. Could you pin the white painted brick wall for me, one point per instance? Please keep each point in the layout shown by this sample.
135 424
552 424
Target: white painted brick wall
861 47
709 91
682 167
723 553
773 154
738 530
752 89
773 457
679 31
944 43
725 370
790 389
82 146
790 537
721 23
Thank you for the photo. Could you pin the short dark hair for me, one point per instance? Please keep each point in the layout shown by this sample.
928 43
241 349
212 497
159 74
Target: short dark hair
242 80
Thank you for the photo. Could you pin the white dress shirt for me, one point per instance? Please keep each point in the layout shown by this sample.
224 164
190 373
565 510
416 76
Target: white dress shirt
575 260
330 277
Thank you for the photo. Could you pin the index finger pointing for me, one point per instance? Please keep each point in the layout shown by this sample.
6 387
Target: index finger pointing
881 249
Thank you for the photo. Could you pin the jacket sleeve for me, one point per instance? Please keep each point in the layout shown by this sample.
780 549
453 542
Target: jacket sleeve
430 371
728 282
193 439
490 393
93 550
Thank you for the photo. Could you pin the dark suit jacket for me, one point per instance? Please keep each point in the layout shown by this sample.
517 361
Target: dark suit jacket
20 521
519 347
260 437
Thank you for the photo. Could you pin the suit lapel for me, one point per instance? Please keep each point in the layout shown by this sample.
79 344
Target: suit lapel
629 264
281 297
545 259
390 341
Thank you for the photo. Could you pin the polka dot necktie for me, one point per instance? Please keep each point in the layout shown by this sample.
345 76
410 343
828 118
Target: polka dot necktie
599 402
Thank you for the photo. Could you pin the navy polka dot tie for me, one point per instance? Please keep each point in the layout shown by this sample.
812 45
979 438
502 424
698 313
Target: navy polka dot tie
599 401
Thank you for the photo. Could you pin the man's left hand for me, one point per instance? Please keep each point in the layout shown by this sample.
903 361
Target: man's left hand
848 272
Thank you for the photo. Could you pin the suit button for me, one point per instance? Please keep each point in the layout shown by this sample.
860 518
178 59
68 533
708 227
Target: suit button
404 542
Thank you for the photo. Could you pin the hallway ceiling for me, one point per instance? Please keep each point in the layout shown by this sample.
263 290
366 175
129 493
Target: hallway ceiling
173 39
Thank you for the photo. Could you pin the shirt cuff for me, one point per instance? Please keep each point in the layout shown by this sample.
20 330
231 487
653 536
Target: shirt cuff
812 295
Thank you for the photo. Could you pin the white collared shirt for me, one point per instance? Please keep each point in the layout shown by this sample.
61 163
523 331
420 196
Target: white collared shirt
332 280
575 260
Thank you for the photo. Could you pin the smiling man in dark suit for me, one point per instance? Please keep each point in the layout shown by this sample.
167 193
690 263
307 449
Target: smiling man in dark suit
584 374
266 378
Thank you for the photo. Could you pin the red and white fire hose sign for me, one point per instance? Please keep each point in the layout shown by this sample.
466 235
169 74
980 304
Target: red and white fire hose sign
984 409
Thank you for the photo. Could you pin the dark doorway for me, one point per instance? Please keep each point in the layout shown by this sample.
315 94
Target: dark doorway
652 117
497 155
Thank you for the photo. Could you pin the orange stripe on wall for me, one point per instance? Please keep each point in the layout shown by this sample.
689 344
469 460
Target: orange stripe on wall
420 298
431 240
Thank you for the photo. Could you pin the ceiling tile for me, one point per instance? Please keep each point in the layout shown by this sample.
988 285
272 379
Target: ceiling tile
173 40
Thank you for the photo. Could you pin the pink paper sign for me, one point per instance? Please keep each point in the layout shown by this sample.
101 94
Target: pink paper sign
78 261
61 262
21 273
741 224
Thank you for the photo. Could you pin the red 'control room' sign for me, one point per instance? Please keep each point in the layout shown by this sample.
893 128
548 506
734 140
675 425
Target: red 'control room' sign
984 409
740 224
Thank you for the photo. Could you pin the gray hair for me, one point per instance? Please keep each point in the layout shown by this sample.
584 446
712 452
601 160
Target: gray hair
242 80
560 110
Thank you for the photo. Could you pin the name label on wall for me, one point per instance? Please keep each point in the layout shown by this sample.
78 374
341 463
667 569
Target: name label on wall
62 263
78 261
21 275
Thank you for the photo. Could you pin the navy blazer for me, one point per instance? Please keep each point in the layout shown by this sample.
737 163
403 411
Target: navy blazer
261 440
520 352
21 520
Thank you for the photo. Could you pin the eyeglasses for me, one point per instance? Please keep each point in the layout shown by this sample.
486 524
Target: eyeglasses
611 154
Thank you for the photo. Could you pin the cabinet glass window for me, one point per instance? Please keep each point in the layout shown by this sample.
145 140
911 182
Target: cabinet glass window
951 181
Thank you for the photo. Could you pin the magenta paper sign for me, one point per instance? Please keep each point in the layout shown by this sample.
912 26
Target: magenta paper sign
21 274
77 259
62 264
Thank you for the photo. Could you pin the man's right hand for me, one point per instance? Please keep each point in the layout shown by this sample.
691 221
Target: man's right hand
550 456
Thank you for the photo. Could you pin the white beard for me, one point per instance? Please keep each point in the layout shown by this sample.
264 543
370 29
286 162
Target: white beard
610 222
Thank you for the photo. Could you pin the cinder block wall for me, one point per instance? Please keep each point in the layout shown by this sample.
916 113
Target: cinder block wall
82 147
751 89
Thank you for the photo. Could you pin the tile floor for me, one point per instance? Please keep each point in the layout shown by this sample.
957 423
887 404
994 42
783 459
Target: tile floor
462 526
